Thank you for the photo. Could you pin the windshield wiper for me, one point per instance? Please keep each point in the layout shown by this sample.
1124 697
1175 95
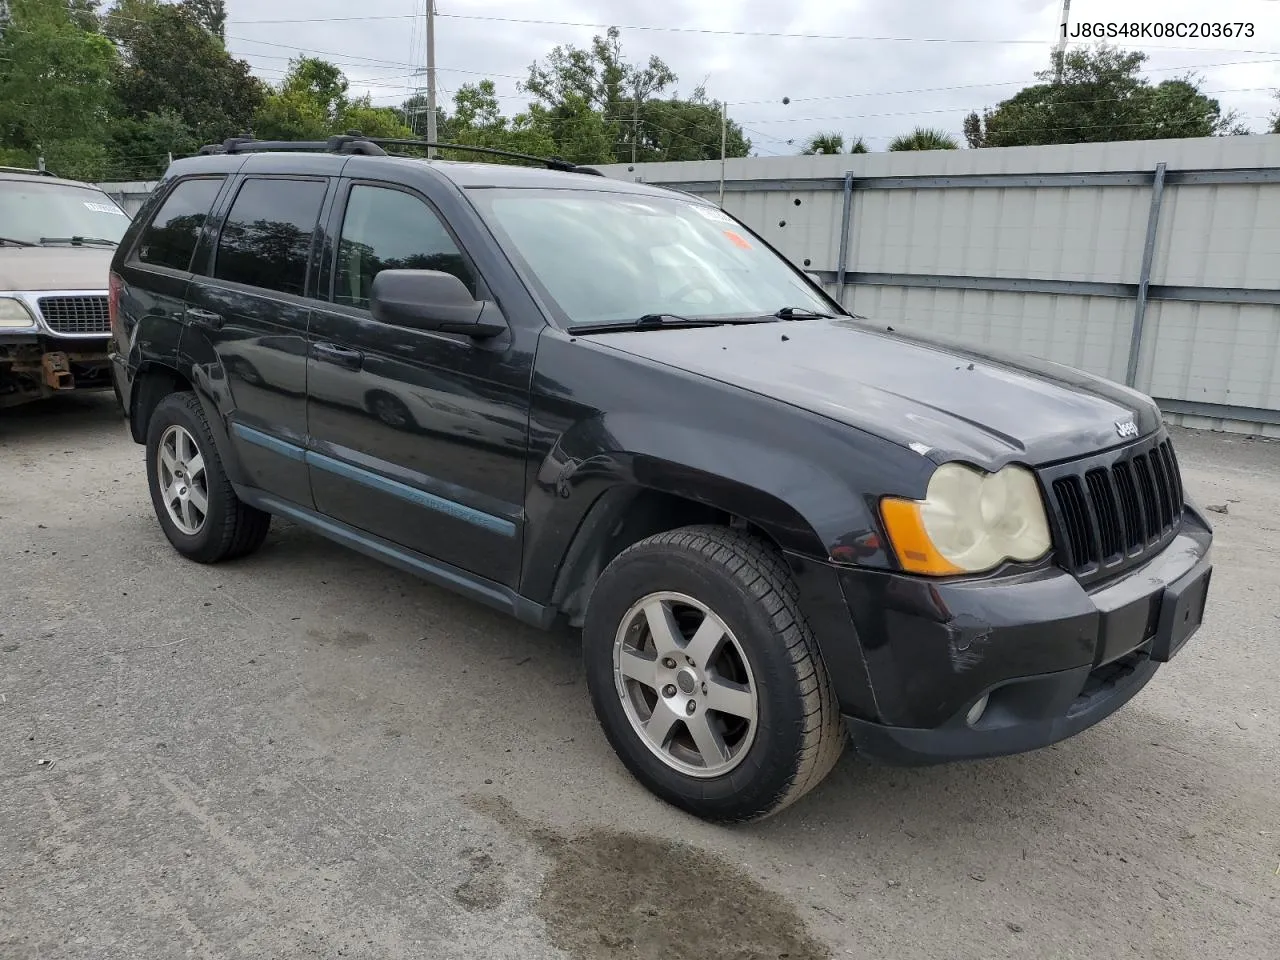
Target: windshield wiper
78 241
17 243
800 313
663 321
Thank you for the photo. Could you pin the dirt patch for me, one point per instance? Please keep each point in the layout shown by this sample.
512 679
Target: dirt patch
485 888
345 639
610 895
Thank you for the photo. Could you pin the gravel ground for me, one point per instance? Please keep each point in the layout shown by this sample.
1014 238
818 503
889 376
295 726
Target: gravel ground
307 754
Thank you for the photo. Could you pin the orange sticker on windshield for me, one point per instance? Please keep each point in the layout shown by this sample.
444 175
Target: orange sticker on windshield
737 239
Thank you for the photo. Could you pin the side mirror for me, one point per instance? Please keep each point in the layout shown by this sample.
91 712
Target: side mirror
432 300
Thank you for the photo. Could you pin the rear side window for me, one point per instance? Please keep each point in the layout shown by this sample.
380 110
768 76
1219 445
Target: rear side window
266 241
170 238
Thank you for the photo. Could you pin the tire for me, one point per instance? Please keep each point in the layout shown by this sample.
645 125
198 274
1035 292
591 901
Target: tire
229 528
798 733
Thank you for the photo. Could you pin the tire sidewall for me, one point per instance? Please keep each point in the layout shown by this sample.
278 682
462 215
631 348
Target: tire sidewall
763 776
175 410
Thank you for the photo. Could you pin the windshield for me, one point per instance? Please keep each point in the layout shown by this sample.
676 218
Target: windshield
613 257
31 211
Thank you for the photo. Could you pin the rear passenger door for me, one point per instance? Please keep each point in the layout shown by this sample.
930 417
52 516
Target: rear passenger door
418 437
250 308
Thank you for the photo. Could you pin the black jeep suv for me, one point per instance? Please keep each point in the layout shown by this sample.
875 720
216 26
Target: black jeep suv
580 399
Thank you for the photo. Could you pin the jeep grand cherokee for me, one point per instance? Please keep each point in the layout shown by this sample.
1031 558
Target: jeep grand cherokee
779 526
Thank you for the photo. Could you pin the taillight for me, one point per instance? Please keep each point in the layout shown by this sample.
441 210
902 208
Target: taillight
113 302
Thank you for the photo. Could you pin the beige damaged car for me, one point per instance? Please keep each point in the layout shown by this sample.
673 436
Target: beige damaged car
56 241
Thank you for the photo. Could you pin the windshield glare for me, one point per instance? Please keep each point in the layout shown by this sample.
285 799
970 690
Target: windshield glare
30 210
612 257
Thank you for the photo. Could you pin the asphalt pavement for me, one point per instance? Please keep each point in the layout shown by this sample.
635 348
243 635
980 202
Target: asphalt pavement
309 754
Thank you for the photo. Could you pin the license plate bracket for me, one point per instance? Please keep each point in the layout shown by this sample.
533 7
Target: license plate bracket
1181 612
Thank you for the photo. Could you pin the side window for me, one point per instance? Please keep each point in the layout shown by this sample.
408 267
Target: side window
391 230
170 239
266 241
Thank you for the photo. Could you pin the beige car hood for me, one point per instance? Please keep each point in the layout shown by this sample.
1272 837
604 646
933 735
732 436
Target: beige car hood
34 269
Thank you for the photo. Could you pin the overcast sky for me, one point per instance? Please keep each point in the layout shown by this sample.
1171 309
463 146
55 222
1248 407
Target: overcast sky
865 68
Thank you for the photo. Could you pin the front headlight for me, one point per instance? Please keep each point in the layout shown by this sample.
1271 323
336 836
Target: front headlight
14 313
969 521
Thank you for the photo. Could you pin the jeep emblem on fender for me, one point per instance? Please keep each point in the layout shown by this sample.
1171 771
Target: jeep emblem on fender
1126 428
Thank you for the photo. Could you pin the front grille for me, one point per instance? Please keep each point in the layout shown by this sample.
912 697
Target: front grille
1112 510
76 315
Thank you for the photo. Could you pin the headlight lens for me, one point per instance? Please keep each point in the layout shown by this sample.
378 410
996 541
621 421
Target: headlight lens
13 313
969 521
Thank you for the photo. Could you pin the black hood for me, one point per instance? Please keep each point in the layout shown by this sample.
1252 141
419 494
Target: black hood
958 401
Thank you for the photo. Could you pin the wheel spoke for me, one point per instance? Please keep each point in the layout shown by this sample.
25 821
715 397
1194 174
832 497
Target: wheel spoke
188 515
662 627
180 444
195 467
708 740
167 458
171 494
725 696
199 500
638 667
707 640
659 726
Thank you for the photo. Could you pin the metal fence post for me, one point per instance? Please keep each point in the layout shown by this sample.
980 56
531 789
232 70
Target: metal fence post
1144 278
843 262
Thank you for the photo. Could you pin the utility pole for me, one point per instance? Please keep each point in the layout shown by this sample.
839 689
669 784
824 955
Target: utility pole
431 76
635 125
724 143
1062 42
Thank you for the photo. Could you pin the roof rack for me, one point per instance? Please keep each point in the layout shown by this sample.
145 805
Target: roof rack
354 142
31 170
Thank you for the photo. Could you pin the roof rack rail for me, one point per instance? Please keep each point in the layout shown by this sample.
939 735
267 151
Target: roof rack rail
31 170
354 142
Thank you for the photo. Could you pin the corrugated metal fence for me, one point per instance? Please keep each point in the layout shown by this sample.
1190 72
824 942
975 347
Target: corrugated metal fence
1155 263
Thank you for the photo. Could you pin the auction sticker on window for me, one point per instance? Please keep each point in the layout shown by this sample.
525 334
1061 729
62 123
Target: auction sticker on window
103 208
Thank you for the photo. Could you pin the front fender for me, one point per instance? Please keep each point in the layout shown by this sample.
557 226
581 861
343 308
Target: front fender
804 505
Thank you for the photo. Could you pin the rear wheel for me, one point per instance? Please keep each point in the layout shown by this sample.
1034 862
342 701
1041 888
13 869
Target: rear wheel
706 676
193 499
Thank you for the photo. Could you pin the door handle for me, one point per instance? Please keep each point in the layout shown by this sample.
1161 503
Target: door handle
341 356
204 318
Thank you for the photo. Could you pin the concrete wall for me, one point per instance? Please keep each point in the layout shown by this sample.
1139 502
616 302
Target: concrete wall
1042 249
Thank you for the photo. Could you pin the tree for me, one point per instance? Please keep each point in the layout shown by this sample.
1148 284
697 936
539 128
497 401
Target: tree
172 60
924 139
823 143
54 87
1275 117
140 149
599 108
312 103
1102 97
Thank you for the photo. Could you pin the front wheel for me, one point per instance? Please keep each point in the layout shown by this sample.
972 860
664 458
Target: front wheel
706 677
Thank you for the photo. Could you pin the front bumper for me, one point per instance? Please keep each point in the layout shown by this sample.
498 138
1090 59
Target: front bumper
1050 657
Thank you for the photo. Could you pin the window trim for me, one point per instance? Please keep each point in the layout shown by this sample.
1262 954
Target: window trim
328 274
211 267
134 256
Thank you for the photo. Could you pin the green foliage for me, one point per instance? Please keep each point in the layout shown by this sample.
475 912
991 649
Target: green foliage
172 62
1102 97
55 86
598 108
1275 117
823 143
312 103
922 138
140 149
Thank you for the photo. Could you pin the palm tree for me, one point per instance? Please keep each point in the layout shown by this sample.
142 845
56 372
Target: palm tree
924 139
824 143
